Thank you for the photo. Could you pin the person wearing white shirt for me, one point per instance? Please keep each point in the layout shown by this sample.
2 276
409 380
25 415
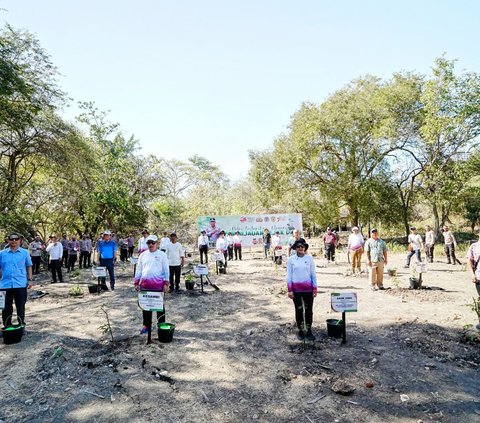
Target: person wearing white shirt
203 246
164 242
142 242
415 246
55 252
276 246
355 247
429 243
237 245
229 239
222 246
176 260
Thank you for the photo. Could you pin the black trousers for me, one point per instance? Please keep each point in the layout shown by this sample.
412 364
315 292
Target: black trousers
123 254
72 259
238 252
85 257
175 276
450 252
330 252
130 251
19 295
203 252
429 251
230 252
65 258
303 302
36 260
56 269
147 317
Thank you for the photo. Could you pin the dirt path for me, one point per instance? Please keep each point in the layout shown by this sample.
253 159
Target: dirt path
235 357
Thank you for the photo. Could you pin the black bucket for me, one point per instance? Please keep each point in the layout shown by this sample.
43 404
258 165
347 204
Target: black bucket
415 284
165 332
190 285
222 270
12 334
93 289
335 328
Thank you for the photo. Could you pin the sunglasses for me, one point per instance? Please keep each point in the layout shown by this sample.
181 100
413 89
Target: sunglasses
13 239
151 242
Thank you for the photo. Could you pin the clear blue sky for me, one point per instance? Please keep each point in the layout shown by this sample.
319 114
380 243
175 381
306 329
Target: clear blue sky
219 77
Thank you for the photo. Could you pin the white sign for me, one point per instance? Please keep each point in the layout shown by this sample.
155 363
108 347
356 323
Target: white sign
99 272
218 257
150 300
250 227
2 299
134 260
344 302
201 269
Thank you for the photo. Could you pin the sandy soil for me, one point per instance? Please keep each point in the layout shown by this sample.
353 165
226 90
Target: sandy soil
235 357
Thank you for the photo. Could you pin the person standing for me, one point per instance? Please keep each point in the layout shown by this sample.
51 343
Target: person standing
73 248
473 256
131 245
355 246
152 274
302 289
16 267
64 242
377 259
429 243
55 252
229 240
267 241
85 251
450 245
330 242
106 250
221 246
415 246
276 247
36 248
164 242
237 246
142 242
123 249
203 246
176 260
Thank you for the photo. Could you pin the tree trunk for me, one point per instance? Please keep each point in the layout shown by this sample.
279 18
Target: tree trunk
436 220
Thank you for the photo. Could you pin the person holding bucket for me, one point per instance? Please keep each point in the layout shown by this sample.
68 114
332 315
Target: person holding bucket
152 274
16 267
302 289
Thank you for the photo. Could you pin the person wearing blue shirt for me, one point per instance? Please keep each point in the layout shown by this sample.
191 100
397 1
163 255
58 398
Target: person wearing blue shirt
16 268
106 250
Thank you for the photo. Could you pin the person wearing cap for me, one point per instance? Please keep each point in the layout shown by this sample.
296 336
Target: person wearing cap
152 274
16 268
203 246
450 245
237 245
36 248
377 259
302 289
142 242
55 252
164 242
213 232
106 249
176 260
355 246
276 246
429 243
222 247
473 256
330 242
415 246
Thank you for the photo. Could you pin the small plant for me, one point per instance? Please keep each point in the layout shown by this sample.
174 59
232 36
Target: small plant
75 273
395 282
392 271
189 278
475 307
75 291
107 327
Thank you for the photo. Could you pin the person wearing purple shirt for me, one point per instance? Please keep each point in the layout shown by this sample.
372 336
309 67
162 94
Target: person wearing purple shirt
73 249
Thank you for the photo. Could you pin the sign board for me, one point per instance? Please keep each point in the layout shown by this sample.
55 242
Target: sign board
99 272
218 257
150 300
201 269
134 260
2 299
421 267
344 301
251 227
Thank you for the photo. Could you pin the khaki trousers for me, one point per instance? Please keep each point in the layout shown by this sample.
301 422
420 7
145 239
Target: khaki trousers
356 258
376 274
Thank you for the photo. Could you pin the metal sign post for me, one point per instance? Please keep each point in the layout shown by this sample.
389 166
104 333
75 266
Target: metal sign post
344 302
151 301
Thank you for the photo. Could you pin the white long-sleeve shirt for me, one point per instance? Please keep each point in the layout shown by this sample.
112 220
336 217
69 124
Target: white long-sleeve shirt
55 251
221 244
301 275
142 244
152 270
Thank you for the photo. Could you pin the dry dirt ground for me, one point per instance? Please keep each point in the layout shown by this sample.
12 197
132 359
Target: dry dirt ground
235 357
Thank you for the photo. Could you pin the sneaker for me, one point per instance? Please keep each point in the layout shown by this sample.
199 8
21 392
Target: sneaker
381 288
144 330
300 335
310 335
112 287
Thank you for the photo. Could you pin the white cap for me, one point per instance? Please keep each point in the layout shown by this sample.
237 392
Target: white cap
355 228
107 232
152 238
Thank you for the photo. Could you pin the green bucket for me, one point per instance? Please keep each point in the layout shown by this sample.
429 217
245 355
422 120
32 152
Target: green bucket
165 332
